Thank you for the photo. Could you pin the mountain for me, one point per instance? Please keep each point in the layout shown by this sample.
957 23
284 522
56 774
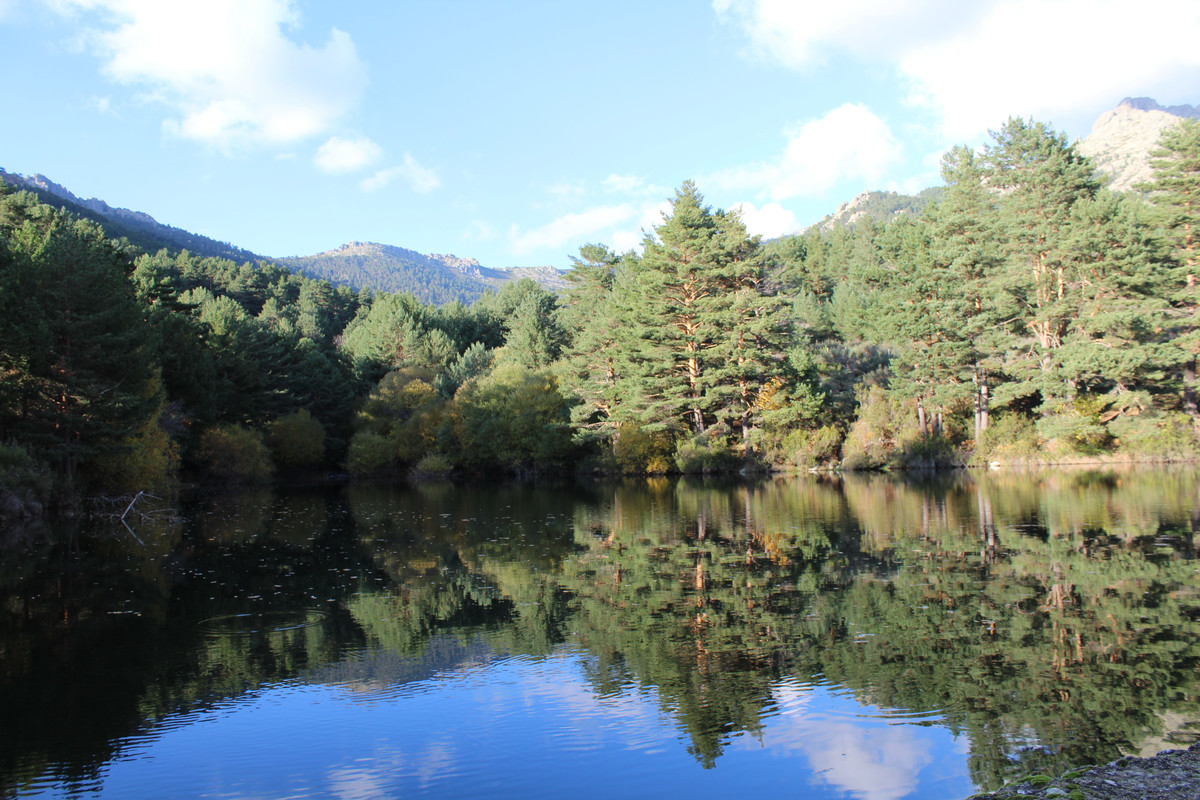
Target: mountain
433 278
878 207
139 228
1122 139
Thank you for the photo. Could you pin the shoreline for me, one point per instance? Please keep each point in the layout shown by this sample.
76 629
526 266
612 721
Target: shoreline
1170 775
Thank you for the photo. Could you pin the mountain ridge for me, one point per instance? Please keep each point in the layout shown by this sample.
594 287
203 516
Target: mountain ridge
1123 138
432 277
1119 144
137 227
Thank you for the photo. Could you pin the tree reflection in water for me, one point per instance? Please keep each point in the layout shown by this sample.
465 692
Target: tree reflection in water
1048 618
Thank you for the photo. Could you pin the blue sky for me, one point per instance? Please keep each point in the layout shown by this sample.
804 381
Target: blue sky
513 132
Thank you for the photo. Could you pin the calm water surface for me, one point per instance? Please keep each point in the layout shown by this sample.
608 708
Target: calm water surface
864 638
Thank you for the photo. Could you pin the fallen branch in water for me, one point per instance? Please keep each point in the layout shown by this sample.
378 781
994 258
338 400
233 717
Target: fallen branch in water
109 508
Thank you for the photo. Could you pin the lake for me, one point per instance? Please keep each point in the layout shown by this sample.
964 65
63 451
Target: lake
863 637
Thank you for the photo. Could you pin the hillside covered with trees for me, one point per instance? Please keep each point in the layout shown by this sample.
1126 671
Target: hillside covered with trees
1027 314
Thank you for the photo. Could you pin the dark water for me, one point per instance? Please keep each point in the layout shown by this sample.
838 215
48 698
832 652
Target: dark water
859 638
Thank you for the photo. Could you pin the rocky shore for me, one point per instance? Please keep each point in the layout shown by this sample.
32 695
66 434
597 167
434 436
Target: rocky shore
1170 775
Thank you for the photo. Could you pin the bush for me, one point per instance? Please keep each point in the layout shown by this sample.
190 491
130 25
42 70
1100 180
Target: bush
1159 437
146 459
369 452
1077 428
1010 437
297 440
639 452
434 465
707 452
812 448
875 437
234 453
25 484
513 418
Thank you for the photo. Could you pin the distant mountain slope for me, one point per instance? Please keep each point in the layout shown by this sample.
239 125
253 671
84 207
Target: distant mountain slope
879 207
139 228
432 278
1122 139
436 279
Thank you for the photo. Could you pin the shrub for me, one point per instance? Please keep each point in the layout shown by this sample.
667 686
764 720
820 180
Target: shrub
1076 427
434 465
296 440
234 453
1010 437
1156 436
806 448
369 452
146 458
513 418
876 435
706 452
640 452
25 484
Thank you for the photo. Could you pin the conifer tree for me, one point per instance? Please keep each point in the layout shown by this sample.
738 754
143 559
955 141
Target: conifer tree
1175 192
77 344
965 253
1037 177
589 361
684 314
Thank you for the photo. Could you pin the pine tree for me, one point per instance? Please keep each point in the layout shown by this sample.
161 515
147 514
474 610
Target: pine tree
589 361
1114 344
1037 177
684 318
77 344
965 253
1175 192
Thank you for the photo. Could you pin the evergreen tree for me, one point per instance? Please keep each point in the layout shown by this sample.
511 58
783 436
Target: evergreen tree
683 306
76 352
1175 192
1037 177
588 367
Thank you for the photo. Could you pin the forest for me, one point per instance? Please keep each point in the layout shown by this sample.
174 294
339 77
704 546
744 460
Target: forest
1027 315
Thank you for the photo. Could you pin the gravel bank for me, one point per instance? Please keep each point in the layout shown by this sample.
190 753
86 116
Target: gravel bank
1170 775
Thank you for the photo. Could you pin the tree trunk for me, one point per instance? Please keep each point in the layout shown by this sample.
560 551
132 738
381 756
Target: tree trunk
921 426
976 400
983 402
1189 387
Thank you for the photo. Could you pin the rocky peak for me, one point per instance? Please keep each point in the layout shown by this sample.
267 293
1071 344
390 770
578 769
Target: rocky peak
467 266
1122 139
97 205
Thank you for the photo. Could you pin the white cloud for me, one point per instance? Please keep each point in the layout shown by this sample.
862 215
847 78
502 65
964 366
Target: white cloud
850 142
565 191
346 155
634 185
479 231
420 179
571 228
626 184
1078 59
650 216
975 64
805 35
861 758
226 68
769 221
101 105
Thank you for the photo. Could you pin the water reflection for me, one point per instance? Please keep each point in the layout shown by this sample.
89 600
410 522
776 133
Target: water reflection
868 627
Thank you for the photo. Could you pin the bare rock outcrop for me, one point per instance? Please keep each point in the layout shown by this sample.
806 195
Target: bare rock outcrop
1122 139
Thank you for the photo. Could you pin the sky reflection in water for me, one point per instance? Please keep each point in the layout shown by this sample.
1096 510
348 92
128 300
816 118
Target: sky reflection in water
864 638
524 727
